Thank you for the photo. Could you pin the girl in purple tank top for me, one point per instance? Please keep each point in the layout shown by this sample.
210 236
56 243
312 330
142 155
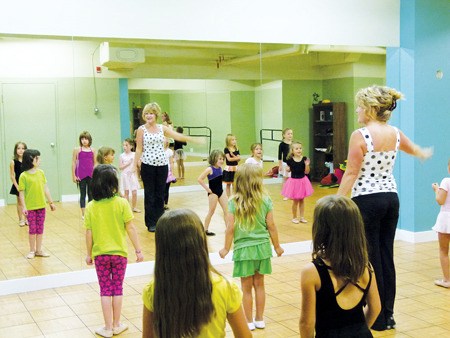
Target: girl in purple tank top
83 162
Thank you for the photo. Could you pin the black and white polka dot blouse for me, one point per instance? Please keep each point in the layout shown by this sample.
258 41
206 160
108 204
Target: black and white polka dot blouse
153 148
376 173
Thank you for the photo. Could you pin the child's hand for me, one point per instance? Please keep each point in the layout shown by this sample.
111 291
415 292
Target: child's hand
307 161
52 206
139 257
435 187
223 253
75 179
89 260
24 211
279 250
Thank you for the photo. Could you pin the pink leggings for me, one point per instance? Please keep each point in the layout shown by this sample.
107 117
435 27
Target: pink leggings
36 219
110 273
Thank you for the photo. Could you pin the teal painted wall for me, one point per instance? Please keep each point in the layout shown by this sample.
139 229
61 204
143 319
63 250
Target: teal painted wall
425 46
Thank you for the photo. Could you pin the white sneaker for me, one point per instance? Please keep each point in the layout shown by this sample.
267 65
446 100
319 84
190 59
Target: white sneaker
31 255
251 326
259 324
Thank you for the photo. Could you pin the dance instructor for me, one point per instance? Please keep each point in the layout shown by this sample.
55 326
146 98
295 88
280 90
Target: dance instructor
150 139
369 176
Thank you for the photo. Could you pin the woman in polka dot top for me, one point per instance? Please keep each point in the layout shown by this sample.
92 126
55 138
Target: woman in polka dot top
369 177
150 139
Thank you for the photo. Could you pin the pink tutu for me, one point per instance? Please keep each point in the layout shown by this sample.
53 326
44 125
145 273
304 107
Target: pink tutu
443 222
297 188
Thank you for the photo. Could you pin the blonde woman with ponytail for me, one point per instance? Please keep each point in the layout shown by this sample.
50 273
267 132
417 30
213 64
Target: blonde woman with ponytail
250 226
369 177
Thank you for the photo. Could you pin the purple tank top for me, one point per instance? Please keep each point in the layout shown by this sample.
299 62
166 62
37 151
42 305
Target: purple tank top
85 164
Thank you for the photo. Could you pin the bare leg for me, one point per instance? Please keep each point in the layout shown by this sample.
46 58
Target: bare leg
182 168
247 297
126 194
117 309
133 199
301 207
443 254
39 243
19 210
228 189
32 240
294 208
107 310
223 201
212 198
260 296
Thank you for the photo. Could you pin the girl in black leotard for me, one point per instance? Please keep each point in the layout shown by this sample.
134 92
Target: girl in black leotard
214 189
339 290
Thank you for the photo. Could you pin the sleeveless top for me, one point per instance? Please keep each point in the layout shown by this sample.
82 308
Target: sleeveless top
85 164
330 317
153 148
376 173
215 181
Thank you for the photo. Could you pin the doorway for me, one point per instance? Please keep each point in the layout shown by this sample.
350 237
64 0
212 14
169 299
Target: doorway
29 115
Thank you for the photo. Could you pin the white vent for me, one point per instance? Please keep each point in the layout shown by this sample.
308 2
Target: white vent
120 57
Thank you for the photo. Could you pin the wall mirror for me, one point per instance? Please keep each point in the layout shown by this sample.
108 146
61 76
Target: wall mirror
54 88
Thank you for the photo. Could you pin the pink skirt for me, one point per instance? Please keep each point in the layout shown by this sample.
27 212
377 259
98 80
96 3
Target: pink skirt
297 188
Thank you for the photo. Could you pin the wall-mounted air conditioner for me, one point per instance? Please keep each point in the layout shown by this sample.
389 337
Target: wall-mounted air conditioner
116 58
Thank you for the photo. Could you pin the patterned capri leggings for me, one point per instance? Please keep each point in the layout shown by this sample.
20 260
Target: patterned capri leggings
36 219
110 273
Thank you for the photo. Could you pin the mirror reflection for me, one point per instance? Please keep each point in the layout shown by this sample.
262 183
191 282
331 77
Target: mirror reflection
54 89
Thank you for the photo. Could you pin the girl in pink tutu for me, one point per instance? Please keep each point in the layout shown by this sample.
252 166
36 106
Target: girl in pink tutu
298 186
442 227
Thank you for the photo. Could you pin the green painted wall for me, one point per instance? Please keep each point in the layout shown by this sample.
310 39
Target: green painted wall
297 103
242 113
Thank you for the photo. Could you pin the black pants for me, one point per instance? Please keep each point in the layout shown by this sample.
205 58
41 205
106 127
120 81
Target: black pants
166 193
154 179
84 185
380 214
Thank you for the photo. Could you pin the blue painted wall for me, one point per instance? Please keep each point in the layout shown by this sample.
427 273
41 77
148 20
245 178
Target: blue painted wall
425 115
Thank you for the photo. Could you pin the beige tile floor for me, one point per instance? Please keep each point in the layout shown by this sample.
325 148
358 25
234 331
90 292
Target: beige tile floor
421 308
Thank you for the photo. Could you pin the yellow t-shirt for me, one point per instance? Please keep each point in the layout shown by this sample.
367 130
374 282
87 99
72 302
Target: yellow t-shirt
226 297
33 187
106 218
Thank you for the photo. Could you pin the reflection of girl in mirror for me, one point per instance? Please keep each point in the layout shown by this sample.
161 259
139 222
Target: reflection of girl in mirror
298 186
177 304
128 178
283 151
105 155
15 169
180 155
150 139
232 157
214 187
168 123
339 290
250 225
256 158
108 221
33 191
83 161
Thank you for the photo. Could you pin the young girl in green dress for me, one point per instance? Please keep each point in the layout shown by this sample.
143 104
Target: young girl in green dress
250 225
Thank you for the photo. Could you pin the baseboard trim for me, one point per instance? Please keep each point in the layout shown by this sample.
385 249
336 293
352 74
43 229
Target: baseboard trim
2 203
416 237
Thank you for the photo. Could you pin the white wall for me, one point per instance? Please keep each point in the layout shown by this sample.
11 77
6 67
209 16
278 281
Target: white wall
358 22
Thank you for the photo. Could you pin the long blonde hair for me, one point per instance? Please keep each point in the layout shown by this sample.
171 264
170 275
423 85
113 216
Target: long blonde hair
248 195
